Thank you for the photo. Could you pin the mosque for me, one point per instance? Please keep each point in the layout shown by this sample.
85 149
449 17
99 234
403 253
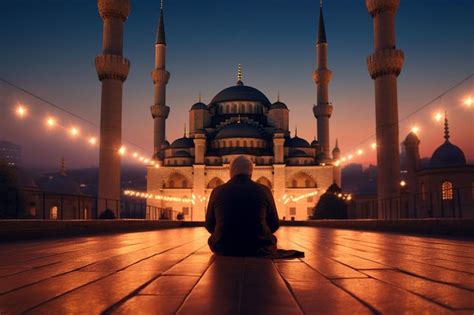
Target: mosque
241 120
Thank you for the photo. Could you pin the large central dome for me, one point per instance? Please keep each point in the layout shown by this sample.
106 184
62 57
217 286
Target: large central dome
240 92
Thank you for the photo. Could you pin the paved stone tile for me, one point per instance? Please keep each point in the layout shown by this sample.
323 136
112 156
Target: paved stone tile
23 299
388 299
96 297
443 294
151 304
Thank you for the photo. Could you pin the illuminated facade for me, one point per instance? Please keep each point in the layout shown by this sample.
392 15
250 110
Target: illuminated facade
241 120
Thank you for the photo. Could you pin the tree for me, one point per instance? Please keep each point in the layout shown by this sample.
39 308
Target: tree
330 205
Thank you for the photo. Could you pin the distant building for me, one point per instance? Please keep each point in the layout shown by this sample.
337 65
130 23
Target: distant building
443 188
10 153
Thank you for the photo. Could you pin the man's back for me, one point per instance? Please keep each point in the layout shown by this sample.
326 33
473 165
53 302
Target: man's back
242 218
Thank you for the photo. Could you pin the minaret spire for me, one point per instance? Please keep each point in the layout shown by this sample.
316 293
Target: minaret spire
239 75
160 35
446 126
322 28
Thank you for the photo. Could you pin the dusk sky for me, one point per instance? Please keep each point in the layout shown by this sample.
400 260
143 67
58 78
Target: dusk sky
49 46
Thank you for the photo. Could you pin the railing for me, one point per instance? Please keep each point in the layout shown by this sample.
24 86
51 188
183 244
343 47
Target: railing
455 203
34 204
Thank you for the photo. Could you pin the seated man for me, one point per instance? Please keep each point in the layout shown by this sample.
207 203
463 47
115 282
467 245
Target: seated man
241 215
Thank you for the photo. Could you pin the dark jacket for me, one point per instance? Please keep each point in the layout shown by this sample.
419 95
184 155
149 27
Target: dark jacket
242 217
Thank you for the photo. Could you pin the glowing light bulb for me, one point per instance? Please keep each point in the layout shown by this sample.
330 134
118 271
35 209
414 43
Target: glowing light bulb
135 155
468 102
438 116
403 183
350 157
157 165
344 159
146 161
122 150
141 158
373 145
360 152
50 122
21 111
415 129
92 141
74 131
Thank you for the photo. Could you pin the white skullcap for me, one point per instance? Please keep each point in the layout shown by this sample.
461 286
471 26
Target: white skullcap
241 165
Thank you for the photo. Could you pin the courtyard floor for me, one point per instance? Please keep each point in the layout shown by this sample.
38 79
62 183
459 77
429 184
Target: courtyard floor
169 271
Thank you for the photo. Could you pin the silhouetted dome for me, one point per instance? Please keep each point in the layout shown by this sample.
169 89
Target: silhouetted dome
239 130
240 93
412 138
62 184
182 153
165 144
335 151
447 155
299 153
314 143
199 105
278 105
296 142
184 142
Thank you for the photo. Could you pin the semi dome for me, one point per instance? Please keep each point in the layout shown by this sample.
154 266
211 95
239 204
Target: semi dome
239 130
314 143
278 105
240 93
446 155
62 184
299 153
296 142
184 142
199 105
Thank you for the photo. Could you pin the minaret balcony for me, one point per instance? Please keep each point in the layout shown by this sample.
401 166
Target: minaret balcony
114 8
160 111
385 62
322 76
378 6
160 76
322 110
112 67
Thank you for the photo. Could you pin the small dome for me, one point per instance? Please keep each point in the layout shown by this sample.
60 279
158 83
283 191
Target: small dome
336 151
412 138
198 106
296 142
278 105
447 155
298 153
240 93
315 143
182 154
239 130
62 184
165 144
183 143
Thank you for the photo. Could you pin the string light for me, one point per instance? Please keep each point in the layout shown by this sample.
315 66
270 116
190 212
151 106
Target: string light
92 141
50 122
122 150
468 102
74 131
373 145
21 111
360 152
438 116
143 195
403 183
415 129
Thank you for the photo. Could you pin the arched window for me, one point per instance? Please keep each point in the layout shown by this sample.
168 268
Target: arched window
214 183
53 213
171 184
234 108
294 183
238 143
447 190
242 108
185 184
85 213
230 143
307 183
245 143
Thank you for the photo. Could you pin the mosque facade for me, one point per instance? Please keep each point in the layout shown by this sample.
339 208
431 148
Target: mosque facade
241 120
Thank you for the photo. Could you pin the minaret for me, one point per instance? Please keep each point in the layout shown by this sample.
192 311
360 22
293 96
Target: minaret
159 110
336 155
384 67
412 160
322 76
112 69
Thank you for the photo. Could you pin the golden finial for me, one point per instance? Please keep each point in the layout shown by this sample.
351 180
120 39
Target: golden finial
278 96
239 73
199 97
446 126
63 167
